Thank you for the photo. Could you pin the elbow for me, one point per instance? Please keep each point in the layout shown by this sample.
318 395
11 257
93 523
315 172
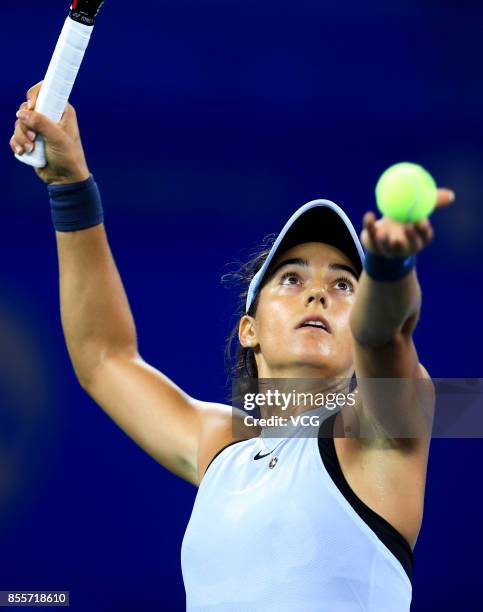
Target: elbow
88 361
84 378
84 373
381 333
369 332
375 338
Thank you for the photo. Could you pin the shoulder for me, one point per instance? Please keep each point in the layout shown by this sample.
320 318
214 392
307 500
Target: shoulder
223 420
220 426
393 412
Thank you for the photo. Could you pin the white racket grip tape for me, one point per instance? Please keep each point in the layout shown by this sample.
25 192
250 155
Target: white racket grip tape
58 82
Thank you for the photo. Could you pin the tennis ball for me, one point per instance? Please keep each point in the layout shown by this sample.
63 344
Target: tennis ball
406 193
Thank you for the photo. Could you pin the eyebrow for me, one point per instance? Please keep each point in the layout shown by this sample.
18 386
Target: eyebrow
344 268
299 261
295 261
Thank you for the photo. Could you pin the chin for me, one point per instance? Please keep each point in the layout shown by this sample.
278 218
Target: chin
315 362
313 353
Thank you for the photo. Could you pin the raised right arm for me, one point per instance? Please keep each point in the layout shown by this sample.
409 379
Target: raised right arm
99 328
101 339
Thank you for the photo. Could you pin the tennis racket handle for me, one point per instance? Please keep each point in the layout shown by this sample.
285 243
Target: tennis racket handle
58 82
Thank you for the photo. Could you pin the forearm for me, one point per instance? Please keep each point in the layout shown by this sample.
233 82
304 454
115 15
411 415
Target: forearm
95 313
382 309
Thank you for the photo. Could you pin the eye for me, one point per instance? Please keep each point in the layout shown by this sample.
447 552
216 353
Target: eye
290 278
348 285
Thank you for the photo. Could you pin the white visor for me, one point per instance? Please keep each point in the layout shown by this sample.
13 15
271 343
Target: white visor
316 221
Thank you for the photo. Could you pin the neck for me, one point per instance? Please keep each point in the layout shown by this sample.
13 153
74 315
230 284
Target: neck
303 372
298 388
289 397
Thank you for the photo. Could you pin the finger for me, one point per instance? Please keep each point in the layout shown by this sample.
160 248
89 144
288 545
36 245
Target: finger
16 148
424 230
444 197
369 222
368 242
41 124
32 95
21 137
383 243
69 110
415 241
21 132
29 133
67 116
369 218
385 246
397 247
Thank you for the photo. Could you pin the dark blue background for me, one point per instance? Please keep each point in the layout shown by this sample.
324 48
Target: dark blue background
206 123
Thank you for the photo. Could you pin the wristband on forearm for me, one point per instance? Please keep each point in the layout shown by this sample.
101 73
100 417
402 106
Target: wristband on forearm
385 269
75 206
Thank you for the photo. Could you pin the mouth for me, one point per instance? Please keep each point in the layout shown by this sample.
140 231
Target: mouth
315 322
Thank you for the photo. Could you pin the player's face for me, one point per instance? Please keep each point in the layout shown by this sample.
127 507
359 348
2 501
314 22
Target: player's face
311 283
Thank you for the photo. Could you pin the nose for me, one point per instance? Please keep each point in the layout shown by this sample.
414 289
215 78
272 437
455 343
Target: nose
317 294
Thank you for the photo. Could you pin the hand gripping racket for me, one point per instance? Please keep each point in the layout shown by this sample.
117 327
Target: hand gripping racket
62 71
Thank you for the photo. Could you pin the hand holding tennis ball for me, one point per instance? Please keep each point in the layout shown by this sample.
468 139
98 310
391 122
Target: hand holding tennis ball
406 195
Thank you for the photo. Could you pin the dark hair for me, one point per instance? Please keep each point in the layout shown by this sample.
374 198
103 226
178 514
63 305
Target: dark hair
242 364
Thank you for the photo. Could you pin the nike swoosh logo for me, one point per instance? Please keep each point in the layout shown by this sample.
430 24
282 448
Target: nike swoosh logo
258 456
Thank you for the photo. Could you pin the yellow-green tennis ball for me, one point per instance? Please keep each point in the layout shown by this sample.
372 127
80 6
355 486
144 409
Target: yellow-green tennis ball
406 192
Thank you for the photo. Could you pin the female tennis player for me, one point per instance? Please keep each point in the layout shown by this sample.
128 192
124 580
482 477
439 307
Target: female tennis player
324 523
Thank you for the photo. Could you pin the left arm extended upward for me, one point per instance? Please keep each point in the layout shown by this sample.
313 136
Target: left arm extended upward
385 314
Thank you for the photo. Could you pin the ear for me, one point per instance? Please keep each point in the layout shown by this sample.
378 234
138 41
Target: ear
247 334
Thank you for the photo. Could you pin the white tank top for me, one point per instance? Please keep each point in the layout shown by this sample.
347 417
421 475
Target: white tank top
284 539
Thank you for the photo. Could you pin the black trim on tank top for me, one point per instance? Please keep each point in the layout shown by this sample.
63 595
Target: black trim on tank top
221 450
388 534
